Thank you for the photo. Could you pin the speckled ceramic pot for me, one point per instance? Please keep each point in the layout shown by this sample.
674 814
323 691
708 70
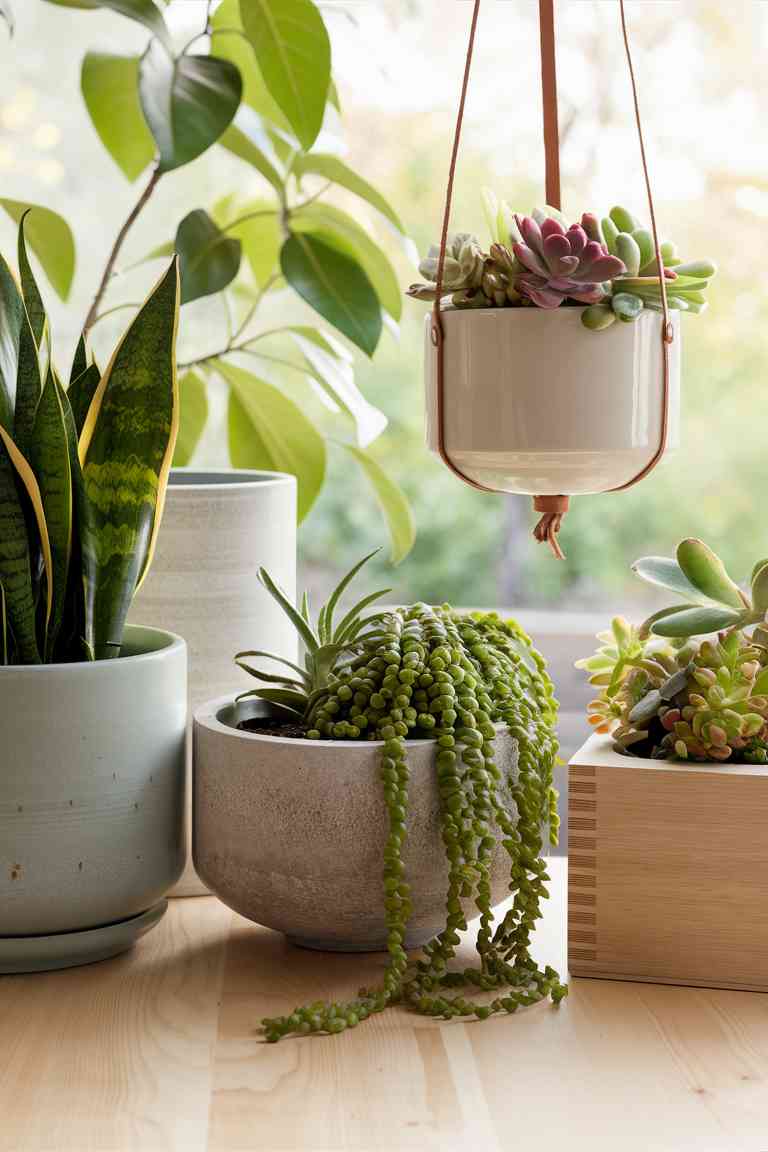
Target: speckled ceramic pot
92 790
291 833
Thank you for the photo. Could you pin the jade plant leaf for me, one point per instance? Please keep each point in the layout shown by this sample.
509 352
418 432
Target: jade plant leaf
706 571
110 87
209 260
15 561
293 52
760 587
334 284
145 11
392 501
126 447
187 102
331 168
667 573
193 414
341 231
269 431
695 622
50 459
50 238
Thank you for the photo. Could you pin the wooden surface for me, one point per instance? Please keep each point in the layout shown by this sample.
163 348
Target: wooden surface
668 870
158 1050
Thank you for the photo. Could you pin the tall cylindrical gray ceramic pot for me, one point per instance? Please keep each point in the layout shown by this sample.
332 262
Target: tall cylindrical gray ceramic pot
219 528
92 801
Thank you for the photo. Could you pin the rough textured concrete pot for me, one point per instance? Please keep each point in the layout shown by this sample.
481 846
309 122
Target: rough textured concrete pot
536 403
92 798
291 833
219 528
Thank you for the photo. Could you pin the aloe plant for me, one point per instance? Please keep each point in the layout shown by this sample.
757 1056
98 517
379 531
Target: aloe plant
83 473
667 694
608 267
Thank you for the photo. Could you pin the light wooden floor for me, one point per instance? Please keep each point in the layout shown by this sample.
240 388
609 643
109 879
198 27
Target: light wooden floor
158 1050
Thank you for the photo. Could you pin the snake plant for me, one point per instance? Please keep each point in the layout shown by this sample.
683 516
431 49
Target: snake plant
83 473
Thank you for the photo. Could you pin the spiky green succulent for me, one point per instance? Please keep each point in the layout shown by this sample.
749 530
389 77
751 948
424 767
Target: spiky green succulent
607 267
429 672
668 695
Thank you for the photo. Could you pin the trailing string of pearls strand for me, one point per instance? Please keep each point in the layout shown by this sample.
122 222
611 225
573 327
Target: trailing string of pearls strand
433 672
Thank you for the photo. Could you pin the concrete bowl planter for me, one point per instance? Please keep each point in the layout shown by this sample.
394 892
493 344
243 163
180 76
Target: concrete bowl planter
291 833
92 792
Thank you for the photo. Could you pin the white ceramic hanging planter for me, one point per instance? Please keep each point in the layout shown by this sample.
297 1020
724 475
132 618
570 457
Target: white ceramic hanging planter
535 403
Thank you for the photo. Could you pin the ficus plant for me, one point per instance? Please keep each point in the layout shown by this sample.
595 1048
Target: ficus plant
256 81
608 266
430 672
83 473
691 683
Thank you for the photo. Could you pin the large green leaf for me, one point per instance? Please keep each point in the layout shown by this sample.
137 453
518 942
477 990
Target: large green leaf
126 447
249 142
293 52
15 564
667 573
706 571
209 260
267 430
110 86
392 501
144 11
695 622
51 461
50 238
335 285
332 168
341 231
11 315
336 375
229 42
259 233
193 414
188 102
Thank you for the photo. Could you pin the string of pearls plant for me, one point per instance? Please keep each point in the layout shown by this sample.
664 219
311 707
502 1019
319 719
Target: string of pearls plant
432 672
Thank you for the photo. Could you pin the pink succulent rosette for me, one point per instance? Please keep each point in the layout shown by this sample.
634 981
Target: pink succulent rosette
562 264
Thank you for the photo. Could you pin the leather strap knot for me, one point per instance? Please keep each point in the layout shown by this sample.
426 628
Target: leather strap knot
553 508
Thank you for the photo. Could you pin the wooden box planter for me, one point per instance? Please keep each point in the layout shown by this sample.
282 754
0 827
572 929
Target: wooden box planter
668 870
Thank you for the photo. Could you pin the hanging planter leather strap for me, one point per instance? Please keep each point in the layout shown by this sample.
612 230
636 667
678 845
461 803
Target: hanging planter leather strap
552 508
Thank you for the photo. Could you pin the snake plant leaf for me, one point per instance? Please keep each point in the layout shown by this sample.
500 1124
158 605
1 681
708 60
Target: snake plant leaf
110 87
11 315
667 573
268 430
80 360
71 633
29 386
144 11
50 238
81 392
706 571
293 52
193 415
341 231
209 259
126 447
15 561
760 587
229 42
392 501
187 102
5 638
696 622
334 284
304 630
50 459
30 292
331 168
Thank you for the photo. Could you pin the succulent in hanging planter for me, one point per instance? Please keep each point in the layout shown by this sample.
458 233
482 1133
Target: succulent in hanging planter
83 473
666 694
608 267
426 672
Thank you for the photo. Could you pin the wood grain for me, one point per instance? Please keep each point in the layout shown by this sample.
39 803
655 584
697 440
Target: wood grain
159 1051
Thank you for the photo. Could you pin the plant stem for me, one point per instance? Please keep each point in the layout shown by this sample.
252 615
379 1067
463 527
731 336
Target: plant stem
135 212
232 345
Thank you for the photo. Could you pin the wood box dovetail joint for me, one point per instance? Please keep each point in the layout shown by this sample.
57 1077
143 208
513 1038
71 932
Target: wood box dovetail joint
668 870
